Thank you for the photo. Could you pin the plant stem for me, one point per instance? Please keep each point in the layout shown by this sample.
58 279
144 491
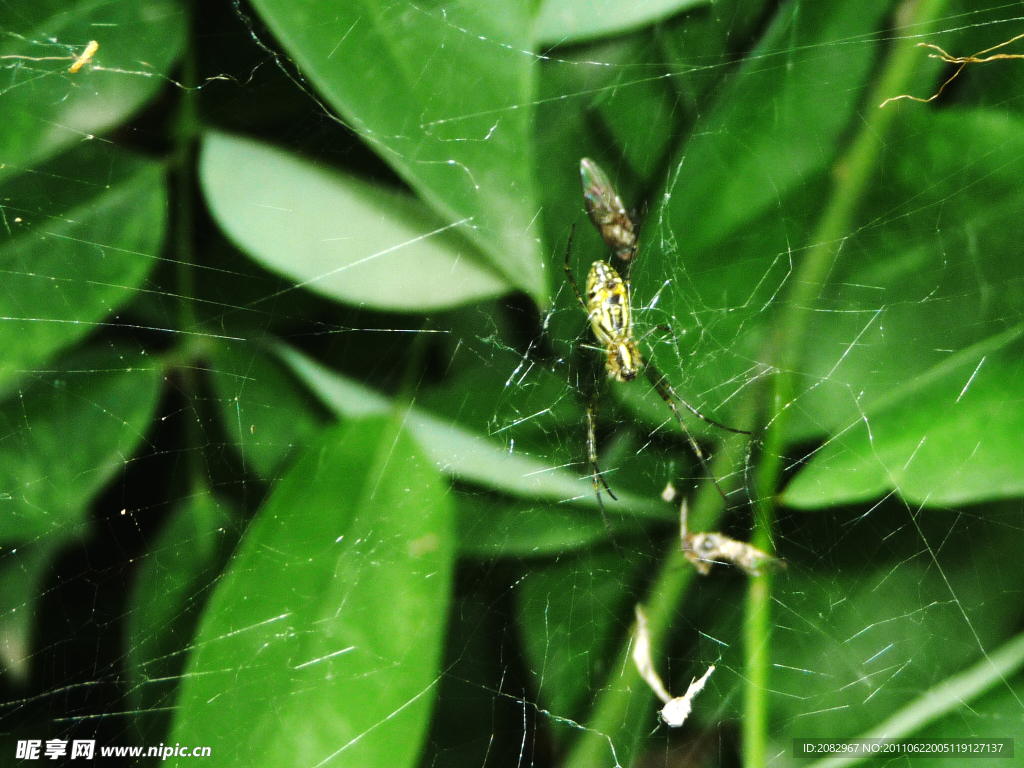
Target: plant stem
786 352
623 712
186 129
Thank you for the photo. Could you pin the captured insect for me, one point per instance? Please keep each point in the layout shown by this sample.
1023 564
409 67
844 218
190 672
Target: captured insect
605 208
703 550
609 309
677 708
85 57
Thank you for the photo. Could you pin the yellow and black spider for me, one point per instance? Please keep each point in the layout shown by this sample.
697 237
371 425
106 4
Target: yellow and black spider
609 308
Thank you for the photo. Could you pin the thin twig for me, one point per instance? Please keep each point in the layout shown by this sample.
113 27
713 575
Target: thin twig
963 61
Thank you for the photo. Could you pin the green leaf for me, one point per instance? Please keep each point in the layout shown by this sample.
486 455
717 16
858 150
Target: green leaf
932 272
641 116
696 44
570 21
462 454
337 235
172 585
324 638
22 574
570 615
62 184
906 611
266 412
917 313
951 436
776 125
464 146
65 434
46 108
987 715
492 526
979 701
64 275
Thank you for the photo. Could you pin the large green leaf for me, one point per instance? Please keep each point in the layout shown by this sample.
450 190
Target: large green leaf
570 613
989 713
462 454
338 235
775 126
324 639
696 45
570 21
45 107
979 701
266 412
445 95
493 526
173 583
932 272
915 370
64 435
950 436
64 275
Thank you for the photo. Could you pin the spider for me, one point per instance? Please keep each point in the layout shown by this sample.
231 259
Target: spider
609 309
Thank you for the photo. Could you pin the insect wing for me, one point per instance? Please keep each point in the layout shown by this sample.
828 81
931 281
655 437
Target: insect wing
606 211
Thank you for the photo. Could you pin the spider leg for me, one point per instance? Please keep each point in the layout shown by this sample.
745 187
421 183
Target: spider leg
595 471
664 389
667 393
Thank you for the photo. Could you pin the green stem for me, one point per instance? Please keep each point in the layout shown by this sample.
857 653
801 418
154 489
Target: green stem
186 129
786 351
623 712
757 662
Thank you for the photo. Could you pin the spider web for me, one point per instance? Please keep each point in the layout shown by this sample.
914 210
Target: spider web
204 366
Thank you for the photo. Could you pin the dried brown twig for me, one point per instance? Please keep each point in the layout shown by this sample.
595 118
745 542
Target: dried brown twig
963 61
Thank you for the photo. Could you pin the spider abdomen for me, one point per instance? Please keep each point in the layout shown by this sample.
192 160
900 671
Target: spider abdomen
609 311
